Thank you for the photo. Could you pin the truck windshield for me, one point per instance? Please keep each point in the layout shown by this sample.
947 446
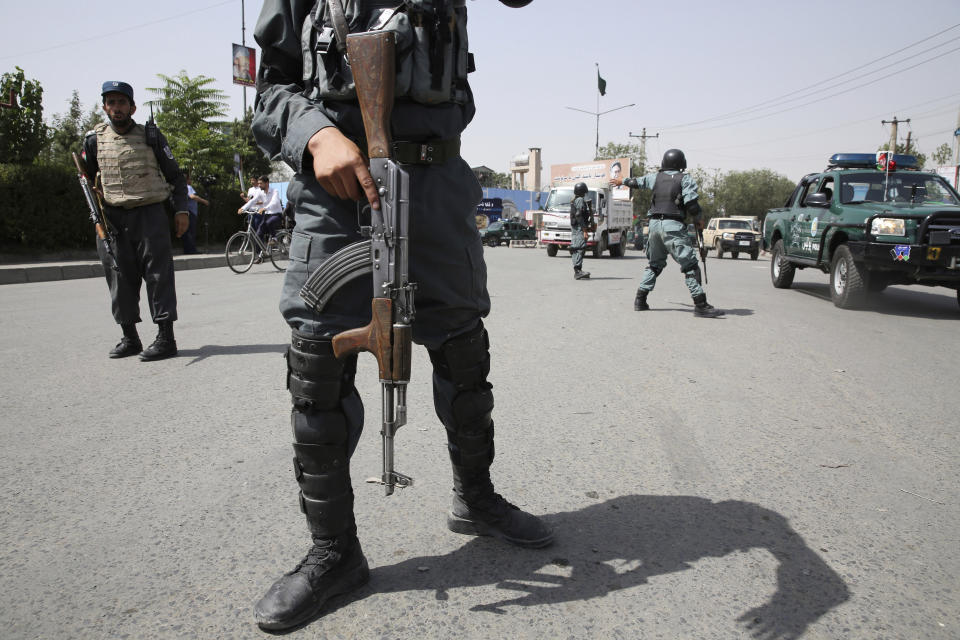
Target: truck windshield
560 199
736 224
495 226
908 188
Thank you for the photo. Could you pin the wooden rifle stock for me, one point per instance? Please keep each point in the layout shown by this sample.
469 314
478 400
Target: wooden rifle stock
373 60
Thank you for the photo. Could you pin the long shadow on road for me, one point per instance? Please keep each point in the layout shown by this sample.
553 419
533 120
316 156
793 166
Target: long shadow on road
622 543
210 350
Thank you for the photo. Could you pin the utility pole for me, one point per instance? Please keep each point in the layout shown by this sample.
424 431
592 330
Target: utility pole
243 41
956 153
598 113
643 143
893 131
907 148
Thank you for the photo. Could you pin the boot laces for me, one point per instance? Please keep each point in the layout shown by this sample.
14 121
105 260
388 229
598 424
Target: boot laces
322 555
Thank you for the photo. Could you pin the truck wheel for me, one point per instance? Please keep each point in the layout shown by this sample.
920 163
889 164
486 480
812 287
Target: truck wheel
616 250
493 242
755 254
719 249
781 271
552 250
848 280
734 254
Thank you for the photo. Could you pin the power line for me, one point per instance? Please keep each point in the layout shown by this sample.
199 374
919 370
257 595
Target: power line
786 95
844 125
832 95
112 33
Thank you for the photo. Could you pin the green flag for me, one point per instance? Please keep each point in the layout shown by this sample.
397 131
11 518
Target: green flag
601 84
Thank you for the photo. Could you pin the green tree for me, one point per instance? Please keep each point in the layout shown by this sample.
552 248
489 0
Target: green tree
942 156
190 114
902 148
751 193
252 159
495 180
67 130
22 131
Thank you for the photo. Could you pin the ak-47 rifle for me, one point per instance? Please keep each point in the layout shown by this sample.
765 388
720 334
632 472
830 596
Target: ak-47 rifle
104 231
389 335
702 250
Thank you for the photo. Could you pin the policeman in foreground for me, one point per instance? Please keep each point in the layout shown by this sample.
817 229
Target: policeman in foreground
308 116
674 197
580 221
137 174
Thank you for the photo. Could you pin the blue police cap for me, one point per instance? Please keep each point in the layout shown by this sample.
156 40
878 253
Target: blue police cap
112 86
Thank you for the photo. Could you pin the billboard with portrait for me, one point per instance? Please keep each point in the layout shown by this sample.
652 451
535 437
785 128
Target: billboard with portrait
244 65
592 172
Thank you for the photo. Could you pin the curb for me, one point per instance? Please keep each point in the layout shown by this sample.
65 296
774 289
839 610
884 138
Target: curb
47 272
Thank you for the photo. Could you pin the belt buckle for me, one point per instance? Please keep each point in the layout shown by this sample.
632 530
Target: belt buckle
426 149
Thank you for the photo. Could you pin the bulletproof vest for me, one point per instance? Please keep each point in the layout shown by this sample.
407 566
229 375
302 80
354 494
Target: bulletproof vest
432 51
129 169
666 195
579 213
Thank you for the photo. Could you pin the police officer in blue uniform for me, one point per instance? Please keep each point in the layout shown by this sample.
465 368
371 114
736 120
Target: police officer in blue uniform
580 220
137 175
674 197
307 115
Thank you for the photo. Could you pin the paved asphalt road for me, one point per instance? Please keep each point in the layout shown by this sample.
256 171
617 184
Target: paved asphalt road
789 471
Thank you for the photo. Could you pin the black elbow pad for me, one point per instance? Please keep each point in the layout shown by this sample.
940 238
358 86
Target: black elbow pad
693 209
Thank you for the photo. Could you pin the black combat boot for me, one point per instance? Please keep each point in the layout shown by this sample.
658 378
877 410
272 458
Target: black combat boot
579 274
129 344
640 302
164 346
464 401
325 404
702 309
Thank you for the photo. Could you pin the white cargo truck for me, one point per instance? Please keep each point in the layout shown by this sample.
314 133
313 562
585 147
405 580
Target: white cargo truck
612 215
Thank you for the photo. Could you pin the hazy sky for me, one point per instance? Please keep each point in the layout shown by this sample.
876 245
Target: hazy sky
737 85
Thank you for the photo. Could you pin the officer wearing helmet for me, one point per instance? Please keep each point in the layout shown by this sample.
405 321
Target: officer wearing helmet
307 115
580 222
674 198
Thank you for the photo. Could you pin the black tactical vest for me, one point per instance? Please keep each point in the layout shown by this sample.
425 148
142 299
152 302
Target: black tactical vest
432 49
666 196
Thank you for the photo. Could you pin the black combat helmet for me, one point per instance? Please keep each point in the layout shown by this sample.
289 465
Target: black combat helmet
673 160
580 189
516 4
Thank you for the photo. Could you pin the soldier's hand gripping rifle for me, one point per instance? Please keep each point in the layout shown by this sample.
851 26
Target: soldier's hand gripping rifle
389 335
104 230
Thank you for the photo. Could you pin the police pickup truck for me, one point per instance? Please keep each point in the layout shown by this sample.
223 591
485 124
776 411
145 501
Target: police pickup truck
506 230
870 221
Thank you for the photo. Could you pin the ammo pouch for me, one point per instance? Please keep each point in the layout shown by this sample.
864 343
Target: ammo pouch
431 44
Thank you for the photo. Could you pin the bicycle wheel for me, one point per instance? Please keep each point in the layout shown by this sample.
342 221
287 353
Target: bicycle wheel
280 249
240 252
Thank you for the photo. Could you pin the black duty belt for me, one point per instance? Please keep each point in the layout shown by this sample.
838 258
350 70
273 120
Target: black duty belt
664 216
426 152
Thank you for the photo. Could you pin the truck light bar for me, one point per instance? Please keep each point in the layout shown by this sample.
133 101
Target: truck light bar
872 161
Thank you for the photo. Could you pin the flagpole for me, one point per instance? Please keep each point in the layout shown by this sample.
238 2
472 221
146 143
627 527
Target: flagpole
596 147
598 113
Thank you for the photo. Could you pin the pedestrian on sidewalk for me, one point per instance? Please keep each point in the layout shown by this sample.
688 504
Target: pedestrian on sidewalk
190 236
137 172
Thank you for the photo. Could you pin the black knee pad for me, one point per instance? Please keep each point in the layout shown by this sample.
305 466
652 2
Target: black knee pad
656 270
463 398
316 379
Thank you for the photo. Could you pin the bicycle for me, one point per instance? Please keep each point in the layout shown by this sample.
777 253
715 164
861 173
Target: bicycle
243 247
